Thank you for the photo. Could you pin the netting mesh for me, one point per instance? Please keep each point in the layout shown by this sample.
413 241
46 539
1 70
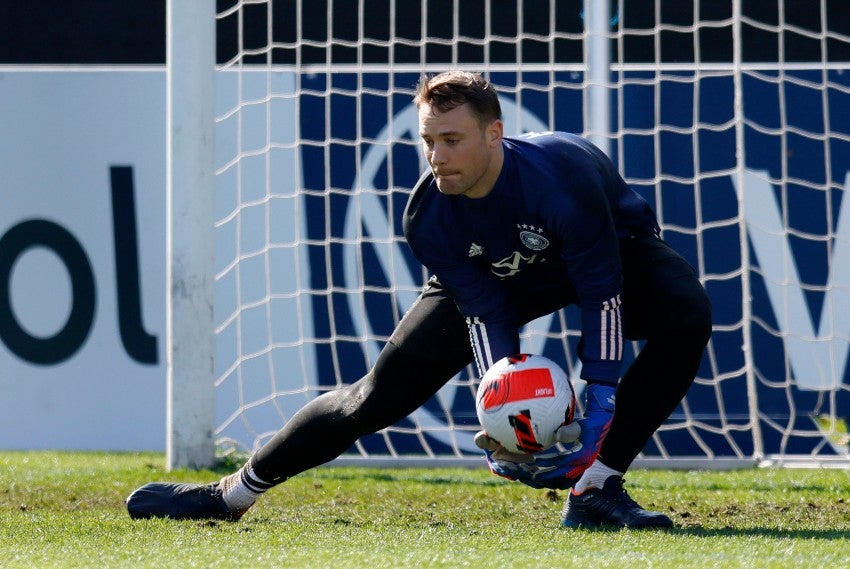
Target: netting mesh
730 120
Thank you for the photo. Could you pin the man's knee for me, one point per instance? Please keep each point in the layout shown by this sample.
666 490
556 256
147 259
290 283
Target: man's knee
696 321
687 315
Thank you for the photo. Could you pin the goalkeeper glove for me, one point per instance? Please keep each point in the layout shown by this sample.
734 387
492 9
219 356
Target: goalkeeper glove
598 413
538 470
553 468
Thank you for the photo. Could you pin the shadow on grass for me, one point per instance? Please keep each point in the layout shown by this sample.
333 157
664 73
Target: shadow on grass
763 532
773 533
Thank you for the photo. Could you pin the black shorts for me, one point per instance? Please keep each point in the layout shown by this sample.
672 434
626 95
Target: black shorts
660 288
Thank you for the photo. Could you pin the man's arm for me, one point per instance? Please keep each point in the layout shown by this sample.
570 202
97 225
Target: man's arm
591 252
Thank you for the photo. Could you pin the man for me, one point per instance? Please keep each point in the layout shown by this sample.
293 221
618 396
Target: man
512 228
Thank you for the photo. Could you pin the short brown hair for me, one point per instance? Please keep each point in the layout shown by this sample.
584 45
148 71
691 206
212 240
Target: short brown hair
452 89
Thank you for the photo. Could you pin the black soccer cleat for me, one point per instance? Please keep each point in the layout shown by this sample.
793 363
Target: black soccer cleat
180 502
609 506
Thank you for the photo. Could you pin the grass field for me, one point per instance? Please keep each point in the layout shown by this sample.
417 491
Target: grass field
67 510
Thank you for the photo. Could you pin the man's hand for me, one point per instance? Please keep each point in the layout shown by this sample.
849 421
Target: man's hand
538 470
553 468
547 469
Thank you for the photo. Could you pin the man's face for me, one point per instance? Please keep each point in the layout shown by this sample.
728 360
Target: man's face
465 156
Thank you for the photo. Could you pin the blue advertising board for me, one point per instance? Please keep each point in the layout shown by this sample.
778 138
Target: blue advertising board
679 146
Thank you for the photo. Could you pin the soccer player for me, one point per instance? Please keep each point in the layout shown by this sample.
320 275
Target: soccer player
512 228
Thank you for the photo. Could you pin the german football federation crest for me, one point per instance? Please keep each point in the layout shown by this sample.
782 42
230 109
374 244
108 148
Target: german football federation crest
531 237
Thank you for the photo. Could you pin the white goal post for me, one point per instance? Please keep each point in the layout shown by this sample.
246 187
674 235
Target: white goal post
190 243
729 119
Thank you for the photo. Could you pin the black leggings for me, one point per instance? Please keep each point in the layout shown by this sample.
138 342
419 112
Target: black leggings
663 303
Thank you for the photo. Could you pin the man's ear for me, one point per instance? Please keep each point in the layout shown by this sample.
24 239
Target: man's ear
495 131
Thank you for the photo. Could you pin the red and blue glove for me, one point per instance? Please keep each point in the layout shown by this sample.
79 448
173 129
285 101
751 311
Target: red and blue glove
553 468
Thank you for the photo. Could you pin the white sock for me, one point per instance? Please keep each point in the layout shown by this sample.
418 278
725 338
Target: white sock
595 477
242 488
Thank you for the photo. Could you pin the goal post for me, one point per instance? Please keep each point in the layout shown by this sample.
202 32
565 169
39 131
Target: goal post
727 117
190 242
597 49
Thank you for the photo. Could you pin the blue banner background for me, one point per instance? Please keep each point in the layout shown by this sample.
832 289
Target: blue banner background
678 147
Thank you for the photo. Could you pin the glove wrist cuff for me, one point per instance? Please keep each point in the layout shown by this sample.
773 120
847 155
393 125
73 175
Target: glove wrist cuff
600 398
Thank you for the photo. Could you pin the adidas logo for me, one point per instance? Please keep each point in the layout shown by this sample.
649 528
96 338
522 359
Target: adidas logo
475 250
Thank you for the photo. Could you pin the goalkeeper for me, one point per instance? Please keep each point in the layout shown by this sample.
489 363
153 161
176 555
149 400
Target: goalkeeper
512 228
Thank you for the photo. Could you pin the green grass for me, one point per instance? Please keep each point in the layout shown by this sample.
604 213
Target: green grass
66 510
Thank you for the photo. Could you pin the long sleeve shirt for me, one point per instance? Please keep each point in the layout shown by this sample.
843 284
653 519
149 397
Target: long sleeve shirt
552 222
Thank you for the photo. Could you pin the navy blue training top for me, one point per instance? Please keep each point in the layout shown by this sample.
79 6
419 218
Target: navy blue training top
553 219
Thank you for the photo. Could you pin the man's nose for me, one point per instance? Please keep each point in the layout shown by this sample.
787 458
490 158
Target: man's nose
438 154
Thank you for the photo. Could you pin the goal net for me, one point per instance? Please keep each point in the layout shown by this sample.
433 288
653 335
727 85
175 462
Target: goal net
730 118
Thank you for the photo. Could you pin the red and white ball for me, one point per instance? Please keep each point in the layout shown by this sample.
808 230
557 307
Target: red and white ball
522 400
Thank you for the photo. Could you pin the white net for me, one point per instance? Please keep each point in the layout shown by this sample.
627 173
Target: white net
728 119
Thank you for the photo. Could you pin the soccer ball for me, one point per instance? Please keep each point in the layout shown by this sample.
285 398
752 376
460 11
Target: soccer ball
523 400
